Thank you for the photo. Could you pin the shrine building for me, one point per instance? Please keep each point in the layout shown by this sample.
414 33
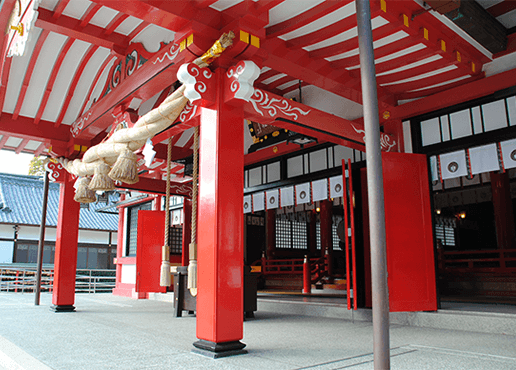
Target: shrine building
362 148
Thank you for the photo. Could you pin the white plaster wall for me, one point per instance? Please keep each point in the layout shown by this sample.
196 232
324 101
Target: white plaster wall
32 233
95 237
6 252
6 231
407 137
328 102
29 233
128 274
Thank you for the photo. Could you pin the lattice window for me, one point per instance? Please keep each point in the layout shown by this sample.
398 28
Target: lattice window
446 234
299 235
335 237
132 227
175 240
318 235
283 233
291 234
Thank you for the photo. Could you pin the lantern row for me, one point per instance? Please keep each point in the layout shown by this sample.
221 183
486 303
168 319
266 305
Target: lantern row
472 161
294 195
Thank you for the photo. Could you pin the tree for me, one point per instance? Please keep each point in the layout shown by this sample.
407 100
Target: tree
37 166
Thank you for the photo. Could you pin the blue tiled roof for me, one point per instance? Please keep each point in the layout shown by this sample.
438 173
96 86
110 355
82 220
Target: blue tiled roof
21 199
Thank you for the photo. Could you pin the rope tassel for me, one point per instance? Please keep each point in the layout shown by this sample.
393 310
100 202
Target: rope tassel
101 180
83 194
125 168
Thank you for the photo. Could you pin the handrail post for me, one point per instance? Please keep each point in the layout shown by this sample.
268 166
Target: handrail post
307 277
16 281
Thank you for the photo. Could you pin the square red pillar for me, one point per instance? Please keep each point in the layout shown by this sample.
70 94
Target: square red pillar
65 259
220 229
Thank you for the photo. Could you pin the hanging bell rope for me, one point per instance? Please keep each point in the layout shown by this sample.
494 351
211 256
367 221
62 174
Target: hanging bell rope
165 279
192 266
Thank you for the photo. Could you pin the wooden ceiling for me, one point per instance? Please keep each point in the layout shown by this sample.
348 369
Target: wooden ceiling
86 59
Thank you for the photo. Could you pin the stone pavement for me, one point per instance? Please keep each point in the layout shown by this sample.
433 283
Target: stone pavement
109 332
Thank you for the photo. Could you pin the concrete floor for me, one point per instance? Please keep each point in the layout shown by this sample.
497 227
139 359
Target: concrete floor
110 332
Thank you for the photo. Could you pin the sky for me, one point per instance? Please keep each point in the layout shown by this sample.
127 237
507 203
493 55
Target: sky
10 162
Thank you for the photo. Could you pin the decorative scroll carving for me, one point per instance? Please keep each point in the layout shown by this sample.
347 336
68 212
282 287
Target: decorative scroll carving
188 112
261 103
386 141
77 126
197 82
171 54
56 171
185 189
241 79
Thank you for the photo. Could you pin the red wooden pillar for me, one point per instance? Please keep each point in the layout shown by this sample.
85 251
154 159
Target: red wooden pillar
503 212
65 260
270 232
326 233
187 231
220 228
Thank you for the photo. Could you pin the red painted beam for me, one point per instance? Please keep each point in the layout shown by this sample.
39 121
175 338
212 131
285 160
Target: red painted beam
148 80
60 7
137 30
410 72
4 139
24 127
40 149
299 65
406 60
425 82
73 85
266 5
52 79
452 96
89 14
502 8
154 186
5 14
304 18
379 53
172 15
268 108
437 89
115 22
324 33
71 27
21 146
28 72
273 152
5 78
352 44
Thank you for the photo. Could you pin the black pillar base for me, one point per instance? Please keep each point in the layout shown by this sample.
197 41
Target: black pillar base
62 308
217 350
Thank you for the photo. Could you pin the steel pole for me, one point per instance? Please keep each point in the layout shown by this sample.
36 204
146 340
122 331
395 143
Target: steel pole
375 189
41 242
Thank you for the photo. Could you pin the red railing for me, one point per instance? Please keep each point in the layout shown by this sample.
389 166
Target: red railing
313 270
493 261
283 266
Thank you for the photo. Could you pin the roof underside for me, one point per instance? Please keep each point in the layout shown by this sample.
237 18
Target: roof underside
71 58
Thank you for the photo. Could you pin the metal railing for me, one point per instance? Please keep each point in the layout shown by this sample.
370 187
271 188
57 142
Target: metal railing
23 279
